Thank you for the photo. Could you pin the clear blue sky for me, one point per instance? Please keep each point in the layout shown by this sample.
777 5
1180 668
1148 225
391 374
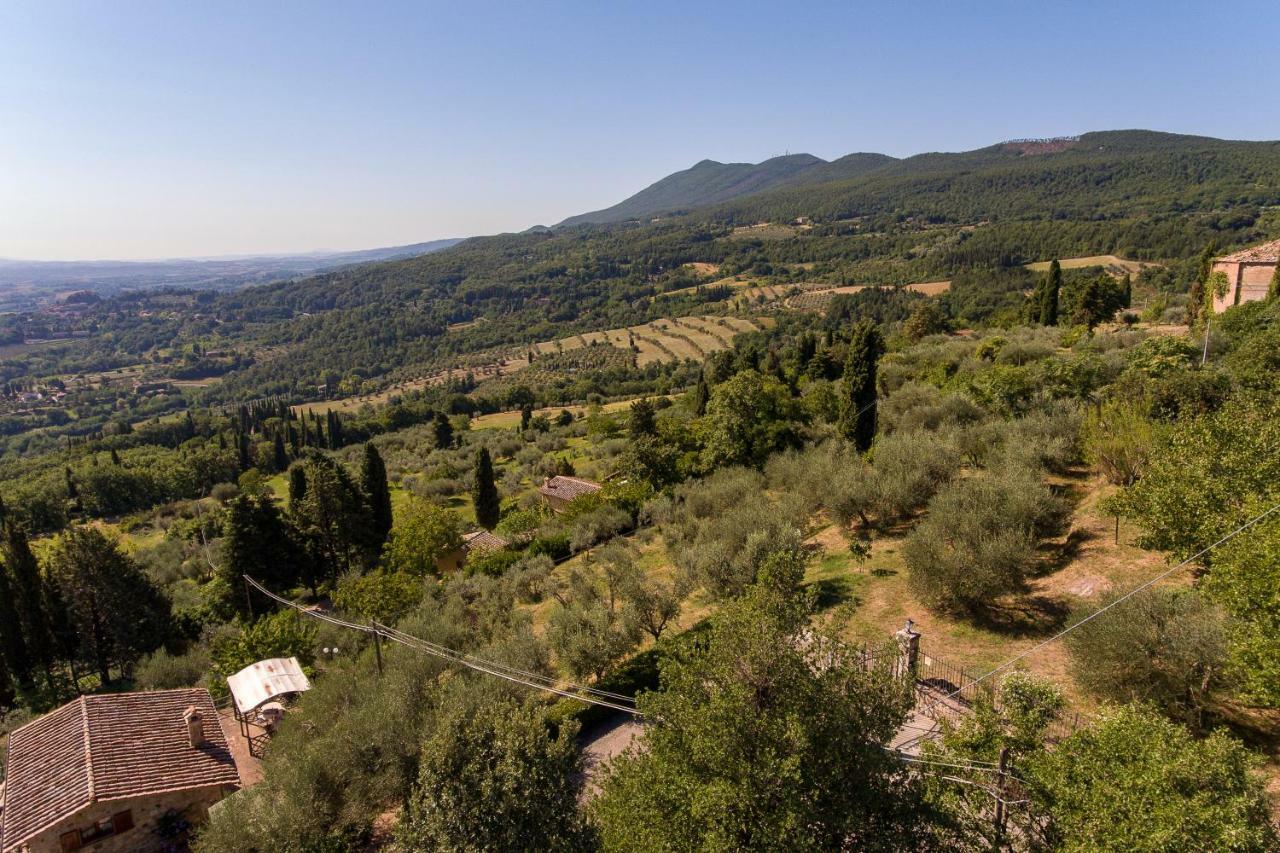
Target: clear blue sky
132 130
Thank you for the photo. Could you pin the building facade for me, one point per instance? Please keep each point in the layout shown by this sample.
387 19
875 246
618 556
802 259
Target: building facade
115 772
1248 273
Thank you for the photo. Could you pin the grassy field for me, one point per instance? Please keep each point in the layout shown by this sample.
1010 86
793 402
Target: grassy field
1117 266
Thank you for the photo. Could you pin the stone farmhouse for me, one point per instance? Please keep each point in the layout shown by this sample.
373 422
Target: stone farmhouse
115 772
478 542
559 491
1248 274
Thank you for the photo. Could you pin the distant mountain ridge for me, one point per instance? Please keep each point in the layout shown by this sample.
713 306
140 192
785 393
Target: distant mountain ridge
709 183
1116 172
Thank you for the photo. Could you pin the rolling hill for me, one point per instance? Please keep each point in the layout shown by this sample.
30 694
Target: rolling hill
708 183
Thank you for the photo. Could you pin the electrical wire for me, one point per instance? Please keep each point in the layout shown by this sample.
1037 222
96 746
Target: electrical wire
462 657
1020 656
538 682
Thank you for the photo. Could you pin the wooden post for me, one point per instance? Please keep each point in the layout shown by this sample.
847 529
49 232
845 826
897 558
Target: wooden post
377 648
1117 528
1000 781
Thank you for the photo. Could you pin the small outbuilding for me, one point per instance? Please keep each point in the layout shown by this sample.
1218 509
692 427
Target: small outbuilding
115 772
559 491
1248 273
258 694
475 543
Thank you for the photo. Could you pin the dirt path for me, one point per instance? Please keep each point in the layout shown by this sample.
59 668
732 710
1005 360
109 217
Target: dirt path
600 744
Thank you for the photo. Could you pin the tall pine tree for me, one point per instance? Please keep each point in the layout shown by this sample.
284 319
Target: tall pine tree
373 479
484 492
858 417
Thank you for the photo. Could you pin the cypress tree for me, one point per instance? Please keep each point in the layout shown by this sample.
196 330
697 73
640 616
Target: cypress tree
443 431
858 418
243 451
484 492
1052 292
701 395
13 646
1273 289
1128 291
115 457
72 493
526 415
297 486
28 592
7 694
334 426
280 458
373 480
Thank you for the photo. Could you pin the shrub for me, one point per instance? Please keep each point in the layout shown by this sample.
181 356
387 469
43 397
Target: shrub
1162 646
598 525
163 671
384 596
979 539
909 468
1118 439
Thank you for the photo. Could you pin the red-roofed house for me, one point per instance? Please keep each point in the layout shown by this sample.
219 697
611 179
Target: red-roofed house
109 772
1248 274
559 491
477 543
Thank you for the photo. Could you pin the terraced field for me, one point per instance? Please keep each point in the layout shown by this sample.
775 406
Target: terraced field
663 340
817 300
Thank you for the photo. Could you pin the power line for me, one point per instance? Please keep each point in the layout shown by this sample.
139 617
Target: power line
1011 661
592 696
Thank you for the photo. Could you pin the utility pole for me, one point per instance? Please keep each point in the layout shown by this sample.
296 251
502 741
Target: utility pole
1205 357
377 648
1000 783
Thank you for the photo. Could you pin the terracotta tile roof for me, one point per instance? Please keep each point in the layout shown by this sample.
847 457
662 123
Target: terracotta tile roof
567 488
482 542
1266 253
108 747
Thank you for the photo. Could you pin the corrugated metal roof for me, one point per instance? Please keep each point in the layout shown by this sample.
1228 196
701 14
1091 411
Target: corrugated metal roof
263 681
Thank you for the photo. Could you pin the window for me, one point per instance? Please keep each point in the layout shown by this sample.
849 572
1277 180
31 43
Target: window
101 829
105 828
70 841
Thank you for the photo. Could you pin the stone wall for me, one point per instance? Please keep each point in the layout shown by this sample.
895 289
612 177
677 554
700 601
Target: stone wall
146 812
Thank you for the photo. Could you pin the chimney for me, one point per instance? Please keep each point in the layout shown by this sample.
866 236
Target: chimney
195 726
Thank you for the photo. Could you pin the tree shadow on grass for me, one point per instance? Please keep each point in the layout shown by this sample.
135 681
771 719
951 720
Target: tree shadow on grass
1027 615
832 592
1055 557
